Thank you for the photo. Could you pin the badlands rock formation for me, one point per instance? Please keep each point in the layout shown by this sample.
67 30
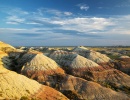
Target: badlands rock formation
92 55
26 56
76 88
123 64
6 47
79 66
15 86
97 57
37 66
124 57
74 63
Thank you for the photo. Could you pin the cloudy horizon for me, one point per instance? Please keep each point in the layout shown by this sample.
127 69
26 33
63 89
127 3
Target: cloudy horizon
65 23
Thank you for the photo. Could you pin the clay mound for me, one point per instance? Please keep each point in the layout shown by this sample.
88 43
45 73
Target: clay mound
80 62
92 55
123 64
24 57
6 47
80 48
122 57
15 86
106 77
112 77
60 54
39 67
73 63
76 88
71 59
79 66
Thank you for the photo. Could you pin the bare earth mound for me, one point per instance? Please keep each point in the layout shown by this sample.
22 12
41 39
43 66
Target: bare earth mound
84 63
79 66
76 88
92 55
6 47
38 66
15 86
73 63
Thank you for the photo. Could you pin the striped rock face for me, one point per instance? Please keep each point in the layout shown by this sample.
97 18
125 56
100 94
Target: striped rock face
39 67
15 86
79 66
72 59
92 55
76 88
123 64
21 57
73 63
26 56
6 47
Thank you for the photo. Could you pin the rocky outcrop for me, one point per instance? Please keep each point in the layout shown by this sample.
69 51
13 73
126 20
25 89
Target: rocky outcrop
92 55
123 64
84 63
124 57
37 66
20 57
73 63
15 86
6 47
26 56
79 66
97 57
76 88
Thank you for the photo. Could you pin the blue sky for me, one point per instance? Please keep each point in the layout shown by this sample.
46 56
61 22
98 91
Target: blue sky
65 22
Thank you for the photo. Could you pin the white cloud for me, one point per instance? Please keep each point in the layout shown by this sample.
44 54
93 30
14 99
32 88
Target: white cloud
14 20
67 21
43 11
18 11
12 23
83 6
52 11
12 30
58 22
13 11
85 24
68 13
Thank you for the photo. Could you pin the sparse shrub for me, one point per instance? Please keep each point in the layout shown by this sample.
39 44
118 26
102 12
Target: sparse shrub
109 85
24 98
113 56
126 89
71 95
28 91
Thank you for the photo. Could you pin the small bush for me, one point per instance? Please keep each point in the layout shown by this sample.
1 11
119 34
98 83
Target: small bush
24 98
